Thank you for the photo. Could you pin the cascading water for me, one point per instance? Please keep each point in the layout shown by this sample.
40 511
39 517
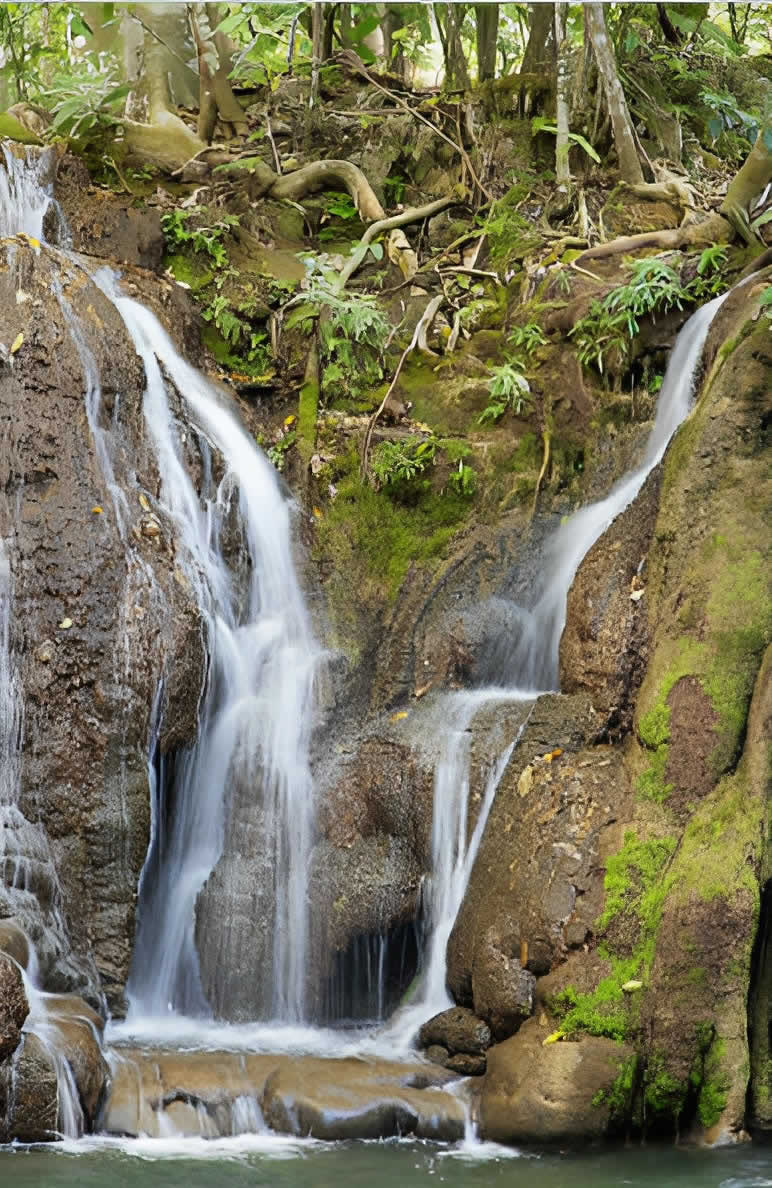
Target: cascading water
257 711
530 666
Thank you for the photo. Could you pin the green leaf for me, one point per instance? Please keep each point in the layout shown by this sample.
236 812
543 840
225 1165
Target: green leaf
376 250
577 136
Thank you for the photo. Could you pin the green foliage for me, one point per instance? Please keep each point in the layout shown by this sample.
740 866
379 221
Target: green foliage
766 303
528 338
631 874
728 116
277 453
542 124
654 287
509 389
463 480
202 238
397 463
88 99
352 331
250 343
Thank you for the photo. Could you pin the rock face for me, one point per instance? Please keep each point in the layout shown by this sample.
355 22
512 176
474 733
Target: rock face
604 646
551 1094
13 1006
97 616
536 885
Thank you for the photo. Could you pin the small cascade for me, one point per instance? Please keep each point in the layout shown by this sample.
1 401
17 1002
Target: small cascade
256 716
27 201
530 666
454 846
532 661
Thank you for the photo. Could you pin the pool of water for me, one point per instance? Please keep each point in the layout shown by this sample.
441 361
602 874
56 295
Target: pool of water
274 1162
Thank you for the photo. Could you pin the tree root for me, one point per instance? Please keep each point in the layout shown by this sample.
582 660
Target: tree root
713 229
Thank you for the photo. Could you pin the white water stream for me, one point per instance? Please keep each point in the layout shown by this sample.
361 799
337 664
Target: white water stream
256 716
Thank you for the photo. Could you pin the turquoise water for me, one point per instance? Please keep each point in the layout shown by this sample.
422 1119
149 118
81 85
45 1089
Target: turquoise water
276 1163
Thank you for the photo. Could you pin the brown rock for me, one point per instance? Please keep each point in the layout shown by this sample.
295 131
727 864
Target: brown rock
604 646
502 990
35 1099
538 1094
14 1007
14 942
466 1065
457 1030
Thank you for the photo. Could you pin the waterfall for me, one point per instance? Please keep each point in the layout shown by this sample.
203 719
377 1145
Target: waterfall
533 662
256 714
530 667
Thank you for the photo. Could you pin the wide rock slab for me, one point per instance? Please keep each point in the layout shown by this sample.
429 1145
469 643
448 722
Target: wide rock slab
210 1093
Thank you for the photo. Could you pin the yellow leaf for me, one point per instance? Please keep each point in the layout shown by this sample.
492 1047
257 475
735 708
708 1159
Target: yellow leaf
552 1039
290 420
66 624
144 502
398 717
97 510
18 340
317 512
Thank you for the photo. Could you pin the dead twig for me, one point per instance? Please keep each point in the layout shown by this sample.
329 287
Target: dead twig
276 160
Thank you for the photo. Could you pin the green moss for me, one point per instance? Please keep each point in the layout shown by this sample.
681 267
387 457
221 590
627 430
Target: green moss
373 538
714 1083
190 268
631 881
308 404
528 454
721 846
663 1093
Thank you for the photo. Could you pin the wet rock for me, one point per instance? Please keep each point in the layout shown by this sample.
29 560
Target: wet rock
457 1030
537 1094
14 942
466 1065
88 696
502 991
437 1054
352 1099
13 1005
78 1042
104 224
537 880
327 1098
35 1108
604 646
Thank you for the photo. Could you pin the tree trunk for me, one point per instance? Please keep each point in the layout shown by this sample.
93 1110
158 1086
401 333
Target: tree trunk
316 50
747 184
456 72
562 167
486 28
624 139
537 52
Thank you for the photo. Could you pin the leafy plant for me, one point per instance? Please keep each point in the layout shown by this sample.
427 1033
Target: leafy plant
766 303
528 338
541 124
508 389
610 325
397 463
463 480
352 330
202 238
276 453
87 98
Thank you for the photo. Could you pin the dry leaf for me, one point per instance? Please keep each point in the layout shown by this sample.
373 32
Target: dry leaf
144 502
16 345
66 624
97 510
399 717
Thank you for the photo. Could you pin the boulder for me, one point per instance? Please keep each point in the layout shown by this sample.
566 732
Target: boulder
354 1099
457 1030
502 991
35 1097
537 1094
14 1007
14 942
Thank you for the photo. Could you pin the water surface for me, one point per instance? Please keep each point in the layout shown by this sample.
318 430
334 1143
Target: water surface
273 1162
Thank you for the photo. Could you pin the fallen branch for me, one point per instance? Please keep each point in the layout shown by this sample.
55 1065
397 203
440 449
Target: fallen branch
426 319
